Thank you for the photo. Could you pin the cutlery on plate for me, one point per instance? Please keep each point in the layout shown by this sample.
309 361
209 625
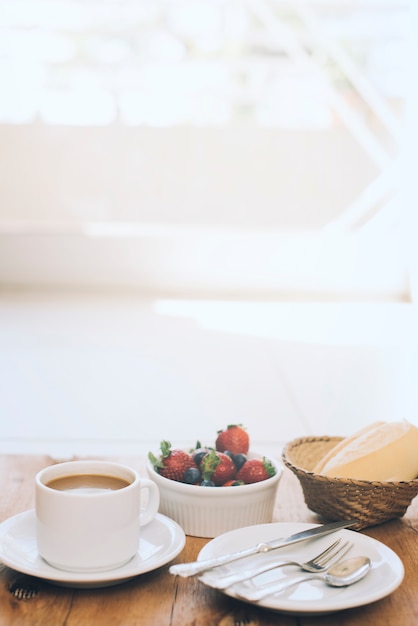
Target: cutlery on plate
342 574
319 563
197 567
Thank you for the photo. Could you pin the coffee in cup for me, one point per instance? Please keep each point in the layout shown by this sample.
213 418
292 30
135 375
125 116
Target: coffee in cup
88 483
88 514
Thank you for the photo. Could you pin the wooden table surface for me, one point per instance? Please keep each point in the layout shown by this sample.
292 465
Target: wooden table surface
160 599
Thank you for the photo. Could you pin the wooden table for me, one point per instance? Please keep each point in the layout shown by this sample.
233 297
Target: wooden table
160 599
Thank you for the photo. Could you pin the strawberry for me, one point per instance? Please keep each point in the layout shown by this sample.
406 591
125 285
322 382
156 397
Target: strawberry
217 467
234 438
172 464
256 470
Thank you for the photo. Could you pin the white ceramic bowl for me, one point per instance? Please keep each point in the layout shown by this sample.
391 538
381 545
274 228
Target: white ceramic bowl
211 511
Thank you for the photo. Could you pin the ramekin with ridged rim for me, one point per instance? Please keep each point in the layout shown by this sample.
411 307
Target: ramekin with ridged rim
211 511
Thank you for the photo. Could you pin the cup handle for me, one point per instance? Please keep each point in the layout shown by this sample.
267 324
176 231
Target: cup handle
148 514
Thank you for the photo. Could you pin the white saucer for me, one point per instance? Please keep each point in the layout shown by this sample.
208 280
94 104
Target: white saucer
161 540
314 596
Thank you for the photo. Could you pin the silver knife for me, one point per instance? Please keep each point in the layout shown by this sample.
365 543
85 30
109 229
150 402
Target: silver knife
197 567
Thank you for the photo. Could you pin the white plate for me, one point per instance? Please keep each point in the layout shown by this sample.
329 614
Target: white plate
314 596
161 540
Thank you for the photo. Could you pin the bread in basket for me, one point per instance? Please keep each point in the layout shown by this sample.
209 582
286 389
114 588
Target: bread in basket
369 502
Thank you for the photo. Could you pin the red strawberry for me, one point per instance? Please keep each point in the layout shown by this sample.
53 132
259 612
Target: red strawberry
172 464
217 467
256 470
235 439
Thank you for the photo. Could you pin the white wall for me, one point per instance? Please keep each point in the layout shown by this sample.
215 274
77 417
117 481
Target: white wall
245 177
102 374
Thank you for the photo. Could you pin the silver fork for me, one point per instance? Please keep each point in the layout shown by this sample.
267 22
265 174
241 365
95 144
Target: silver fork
272 587
320 563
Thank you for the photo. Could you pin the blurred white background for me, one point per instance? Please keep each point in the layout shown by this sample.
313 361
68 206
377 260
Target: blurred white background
207 216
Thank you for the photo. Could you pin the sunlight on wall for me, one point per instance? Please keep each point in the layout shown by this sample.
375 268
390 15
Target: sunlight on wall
161 63
255 115
309 323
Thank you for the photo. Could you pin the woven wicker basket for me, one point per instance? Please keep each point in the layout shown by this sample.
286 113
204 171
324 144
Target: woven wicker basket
340 498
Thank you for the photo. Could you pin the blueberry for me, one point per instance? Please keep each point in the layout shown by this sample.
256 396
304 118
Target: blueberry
198 455
191 476
207 483
229 453
239 460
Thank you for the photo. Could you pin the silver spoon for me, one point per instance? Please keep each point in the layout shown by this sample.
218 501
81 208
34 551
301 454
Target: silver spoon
342 574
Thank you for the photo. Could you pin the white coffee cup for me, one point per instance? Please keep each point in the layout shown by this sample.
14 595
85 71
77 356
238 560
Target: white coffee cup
91 524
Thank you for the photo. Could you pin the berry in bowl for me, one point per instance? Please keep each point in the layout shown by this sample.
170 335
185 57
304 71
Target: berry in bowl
211 490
